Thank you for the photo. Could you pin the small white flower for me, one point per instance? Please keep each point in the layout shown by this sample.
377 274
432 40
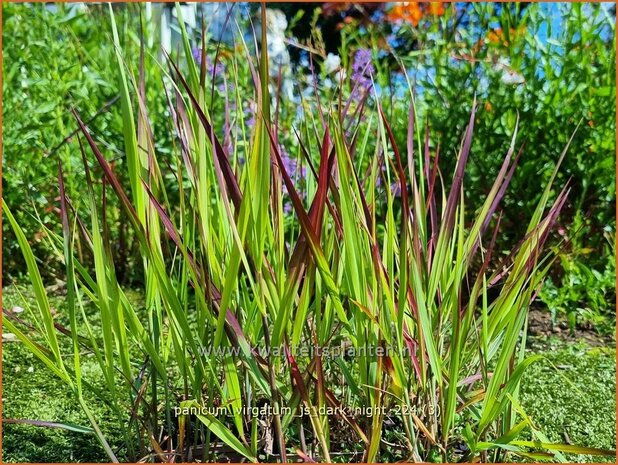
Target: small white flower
9 337
276 21
332 63
30 370
504 61
512 77
507 74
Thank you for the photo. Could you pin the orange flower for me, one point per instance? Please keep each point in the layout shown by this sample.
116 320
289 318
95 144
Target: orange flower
409 12
396 13
436 8
412 12
497 36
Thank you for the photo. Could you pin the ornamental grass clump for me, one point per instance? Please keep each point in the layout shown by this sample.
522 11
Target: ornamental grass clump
359 325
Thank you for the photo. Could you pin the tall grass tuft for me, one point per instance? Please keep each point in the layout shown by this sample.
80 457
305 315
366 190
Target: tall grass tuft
246 301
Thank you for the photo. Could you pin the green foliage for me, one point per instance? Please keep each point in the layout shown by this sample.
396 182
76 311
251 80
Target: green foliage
56 58
572 396
52 61
367 234
407 296
583 293
31 394
547 394
553 67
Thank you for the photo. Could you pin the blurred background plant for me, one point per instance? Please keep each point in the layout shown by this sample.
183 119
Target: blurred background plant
52 59
553 66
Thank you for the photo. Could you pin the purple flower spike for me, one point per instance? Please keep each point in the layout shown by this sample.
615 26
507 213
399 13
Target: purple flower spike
396 189
295 170
249 117
362 62
362 69
216 70
211 69
197 54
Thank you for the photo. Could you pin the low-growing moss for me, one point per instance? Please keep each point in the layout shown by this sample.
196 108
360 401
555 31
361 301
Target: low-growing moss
571 396
31 392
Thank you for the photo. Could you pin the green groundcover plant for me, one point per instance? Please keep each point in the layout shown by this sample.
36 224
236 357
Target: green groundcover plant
286 318
50 62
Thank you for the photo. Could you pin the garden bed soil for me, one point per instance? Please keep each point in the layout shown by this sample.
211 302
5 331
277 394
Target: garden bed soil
540 325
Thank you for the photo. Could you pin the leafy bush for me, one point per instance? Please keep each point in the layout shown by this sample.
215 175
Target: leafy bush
569 79
242 299
58 57
582 292
51 61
